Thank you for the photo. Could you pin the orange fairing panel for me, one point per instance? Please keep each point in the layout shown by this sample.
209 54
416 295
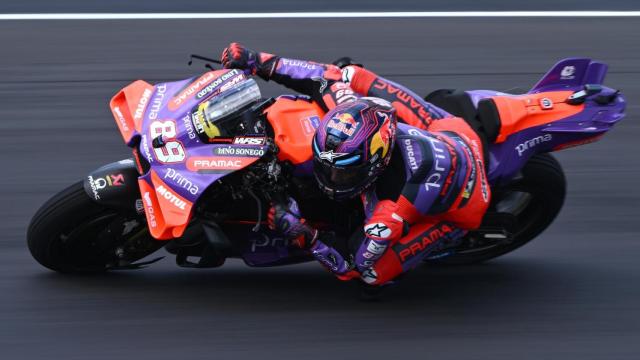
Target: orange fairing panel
522 112
294 123
128 107
167 213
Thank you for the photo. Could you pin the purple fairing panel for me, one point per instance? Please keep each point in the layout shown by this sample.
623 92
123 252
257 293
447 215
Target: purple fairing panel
266 247
169 113
508 157
571 74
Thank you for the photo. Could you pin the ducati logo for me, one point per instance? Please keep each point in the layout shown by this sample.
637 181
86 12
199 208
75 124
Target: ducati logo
330 155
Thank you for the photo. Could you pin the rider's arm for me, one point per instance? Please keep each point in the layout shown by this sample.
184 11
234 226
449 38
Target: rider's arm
287 220
410 107
322 82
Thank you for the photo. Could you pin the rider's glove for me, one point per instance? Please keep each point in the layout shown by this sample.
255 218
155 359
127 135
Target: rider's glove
333 260
287 220
237 56
382 230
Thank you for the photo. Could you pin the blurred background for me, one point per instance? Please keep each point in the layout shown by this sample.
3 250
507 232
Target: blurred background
573 292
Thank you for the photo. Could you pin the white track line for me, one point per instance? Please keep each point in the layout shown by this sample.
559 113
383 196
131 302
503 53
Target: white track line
306 15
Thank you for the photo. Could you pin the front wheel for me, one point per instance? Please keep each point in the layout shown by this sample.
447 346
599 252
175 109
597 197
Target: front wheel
532 202
71 233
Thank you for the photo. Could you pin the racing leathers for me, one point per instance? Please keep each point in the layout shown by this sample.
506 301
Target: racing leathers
434 190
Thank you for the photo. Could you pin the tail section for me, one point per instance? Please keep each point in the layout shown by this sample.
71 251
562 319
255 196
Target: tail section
571 74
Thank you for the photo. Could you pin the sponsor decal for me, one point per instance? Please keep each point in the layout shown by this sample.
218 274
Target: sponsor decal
142 104
266 242
408 146
376 248
249 140
173 199
368 255
437 172
546 103
121 120
191 90
310 124
139 205
531 143
568 72
181 180
299 63
144 145
421 243
342 92
330 155
150 210
218 163
404 97
378 230
210 89
94 188
484 187
197 122
239 151
186 121
100 183
231 83
173 151
329 261
344 123
156 103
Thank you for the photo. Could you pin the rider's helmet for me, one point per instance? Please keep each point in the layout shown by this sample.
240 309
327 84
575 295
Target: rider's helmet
353 145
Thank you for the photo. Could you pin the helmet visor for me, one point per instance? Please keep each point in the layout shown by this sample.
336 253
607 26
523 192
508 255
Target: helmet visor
339 178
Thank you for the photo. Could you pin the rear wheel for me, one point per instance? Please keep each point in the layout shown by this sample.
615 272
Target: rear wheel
532 201
71 233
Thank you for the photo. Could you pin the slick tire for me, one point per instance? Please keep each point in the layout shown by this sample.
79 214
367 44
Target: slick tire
64 233
542 178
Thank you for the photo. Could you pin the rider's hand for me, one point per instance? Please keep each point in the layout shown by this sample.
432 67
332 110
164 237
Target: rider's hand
334 260
236 56
287 220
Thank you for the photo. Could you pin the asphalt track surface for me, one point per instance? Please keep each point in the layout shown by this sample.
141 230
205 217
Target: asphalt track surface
573 293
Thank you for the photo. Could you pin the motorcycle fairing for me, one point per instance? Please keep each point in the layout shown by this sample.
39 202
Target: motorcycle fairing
294 121
184 167
519 112
571 74
128 107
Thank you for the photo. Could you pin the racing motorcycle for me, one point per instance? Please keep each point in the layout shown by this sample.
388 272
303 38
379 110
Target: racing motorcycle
210 154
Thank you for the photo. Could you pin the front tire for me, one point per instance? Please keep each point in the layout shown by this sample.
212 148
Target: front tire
71 233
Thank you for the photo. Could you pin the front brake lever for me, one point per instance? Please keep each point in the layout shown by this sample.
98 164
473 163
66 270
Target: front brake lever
205 59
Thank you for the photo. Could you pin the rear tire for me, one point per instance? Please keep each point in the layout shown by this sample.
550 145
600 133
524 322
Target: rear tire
542 178
71 233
